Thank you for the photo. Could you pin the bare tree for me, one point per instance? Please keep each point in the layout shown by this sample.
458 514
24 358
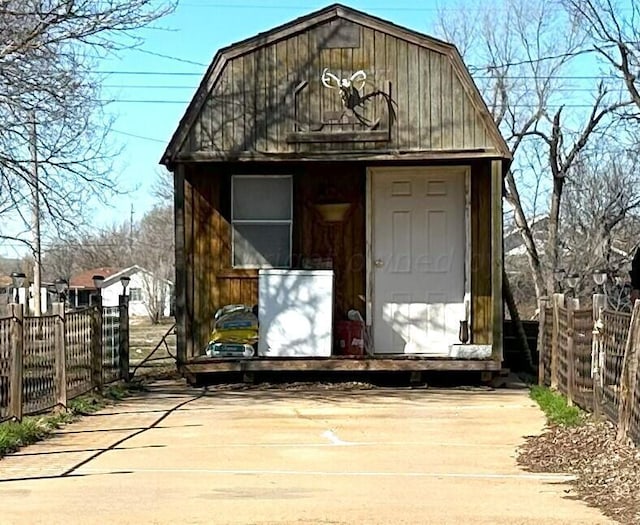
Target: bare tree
152 249
614 32
521 66
155 252
603 192
50 103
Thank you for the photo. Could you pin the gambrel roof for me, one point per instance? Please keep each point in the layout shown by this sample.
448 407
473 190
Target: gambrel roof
258 91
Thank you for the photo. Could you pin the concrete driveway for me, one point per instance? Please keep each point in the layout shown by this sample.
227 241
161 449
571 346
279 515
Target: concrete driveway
181 455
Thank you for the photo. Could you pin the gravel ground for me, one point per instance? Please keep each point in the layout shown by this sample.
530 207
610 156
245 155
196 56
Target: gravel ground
607 472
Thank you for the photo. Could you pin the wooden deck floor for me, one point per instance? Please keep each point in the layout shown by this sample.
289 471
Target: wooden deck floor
383 363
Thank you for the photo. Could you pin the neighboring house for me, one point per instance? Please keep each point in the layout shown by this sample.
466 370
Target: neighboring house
8 295
147 295
513 242
342 140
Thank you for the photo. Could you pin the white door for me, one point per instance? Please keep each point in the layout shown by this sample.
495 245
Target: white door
418 249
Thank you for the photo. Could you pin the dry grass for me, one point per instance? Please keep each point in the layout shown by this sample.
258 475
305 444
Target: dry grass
144 338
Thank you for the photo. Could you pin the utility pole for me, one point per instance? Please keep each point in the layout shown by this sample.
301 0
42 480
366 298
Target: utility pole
131 235
35 216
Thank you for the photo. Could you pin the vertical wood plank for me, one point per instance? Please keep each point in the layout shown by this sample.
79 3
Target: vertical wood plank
414 98
260 88
180 264
281 82
216 130
457 112
238 111
271 114
198 236
628 375
292 80
425 99
250 106
469 123
17 361
542 326
447 104
497 259
96 345
435 95
571 364
189 248
123 337
403 90
391 61
382 74
557 303
60 355
481 269
305 73
479 134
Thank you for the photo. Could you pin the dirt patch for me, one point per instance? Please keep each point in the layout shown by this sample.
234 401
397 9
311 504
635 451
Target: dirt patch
146 338
607 472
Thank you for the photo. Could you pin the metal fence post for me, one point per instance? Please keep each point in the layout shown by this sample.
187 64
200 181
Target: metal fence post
123 337
96 347
60 354
17 348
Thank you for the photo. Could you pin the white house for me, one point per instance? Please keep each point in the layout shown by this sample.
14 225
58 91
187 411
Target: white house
148 295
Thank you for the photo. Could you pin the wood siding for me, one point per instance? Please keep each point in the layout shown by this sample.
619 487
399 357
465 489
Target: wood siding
204 265
252 108
210 282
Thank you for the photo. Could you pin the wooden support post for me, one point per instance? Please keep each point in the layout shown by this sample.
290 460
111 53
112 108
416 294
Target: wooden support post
597 359
96 346
60 355
542 315
628 375
557 303
572 305
181 265
123 337
17 348
497 258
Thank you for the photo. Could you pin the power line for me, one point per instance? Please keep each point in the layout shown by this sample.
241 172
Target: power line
143 101
476 77
142 137
146 86
168 57
153 73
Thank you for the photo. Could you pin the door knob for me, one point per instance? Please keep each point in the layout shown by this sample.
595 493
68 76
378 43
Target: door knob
378 263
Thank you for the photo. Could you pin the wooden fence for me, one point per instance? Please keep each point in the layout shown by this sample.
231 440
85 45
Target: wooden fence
47 360
591 356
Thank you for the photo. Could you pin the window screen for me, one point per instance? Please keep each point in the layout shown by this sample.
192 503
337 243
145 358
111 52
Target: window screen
261 219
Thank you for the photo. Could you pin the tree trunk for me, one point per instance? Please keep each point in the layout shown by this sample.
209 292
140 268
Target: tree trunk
527 236
554 226
521 336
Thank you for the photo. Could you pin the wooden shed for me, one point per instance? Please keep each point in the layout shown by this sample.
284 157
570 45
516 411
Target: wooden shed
343 141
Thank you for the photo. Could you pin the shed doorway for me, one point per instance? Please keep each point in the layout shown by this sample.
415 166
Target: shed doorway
419 258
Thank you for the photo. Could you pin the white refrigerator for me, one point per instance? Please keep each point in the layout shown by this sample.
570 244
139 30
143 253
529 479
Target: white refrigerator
295 313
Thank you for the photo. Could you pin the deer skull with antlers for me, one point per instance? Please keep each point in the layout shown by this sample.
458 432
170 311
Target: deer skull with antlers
350 92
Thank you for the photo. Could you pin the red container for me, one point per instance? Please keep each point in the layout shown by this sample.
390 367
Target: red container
350 335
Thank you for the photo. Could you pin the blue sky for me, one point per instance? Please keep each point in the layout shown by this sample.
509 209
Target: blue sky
158 89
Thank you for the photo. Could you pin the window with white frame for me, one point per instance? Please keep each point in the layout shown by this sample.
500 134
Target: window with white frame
261 217
135 294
